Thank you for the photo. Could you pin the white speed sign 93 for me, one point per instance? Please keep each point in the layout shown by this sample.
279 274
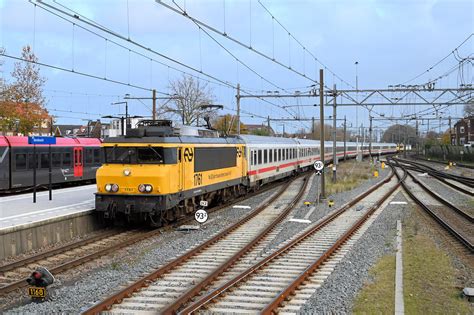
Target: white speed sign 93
318 165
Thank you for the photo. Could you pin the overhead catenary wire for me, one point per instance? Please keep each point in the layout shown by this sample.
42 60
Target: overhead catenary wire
439 62
235 40
78 73
303 46
238 60
92 23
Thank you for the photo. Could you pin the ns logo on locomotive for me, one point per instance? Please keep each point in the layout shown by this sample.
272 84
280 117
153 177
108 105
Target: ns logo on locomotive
156 173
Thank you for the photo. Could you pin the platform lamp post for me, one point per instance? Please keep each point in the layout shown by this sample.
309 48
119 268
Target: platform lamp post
126 113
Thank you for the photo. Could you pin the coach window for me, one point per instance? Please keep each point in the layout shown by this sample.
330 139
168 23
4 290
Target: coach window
66 159
31 161
20 161
89 157
270 155
259 156
56 159
44 160
265 153
97 156
275 155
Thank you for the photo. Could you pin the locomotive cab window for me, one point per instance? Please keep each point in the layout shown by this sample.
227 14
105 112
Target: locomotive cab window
140 155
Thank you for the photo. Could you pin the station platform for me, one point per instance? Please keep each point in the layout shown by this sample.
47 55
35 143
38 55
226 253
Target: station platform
20 209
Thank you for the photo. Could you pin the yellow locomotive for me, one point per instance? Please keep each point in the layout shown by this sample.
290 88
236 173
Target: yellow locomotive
156 175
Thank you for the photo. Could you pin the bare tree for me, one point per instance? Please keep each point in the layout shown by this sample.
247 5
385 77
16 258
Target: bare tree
192 94
398 133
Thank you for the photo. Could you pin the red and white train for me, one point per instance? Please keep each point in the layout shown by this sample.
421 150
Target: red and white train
271 158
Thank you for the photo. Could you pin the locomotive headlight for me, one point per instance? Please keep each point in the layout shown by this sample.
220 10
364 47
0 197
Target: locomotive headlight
127 172
108 187
115 187
148 188
141 188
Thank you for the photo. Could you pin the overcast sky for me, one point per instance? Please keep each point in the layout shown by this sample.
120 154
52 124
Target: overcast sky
393 41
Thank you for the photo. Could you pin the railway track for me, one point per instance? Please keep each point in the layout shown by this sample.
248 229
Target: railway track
443 176
68 257
444 163
184 277
285 279
457 222
440 176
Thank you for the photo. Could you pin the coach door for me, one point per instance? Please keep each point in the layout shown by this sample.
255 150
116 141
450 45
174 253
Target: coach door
78 165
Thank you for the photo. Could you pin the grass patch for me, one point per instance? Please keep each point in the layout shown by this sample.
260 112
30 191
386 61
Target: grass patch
429 278
378 297
349 175
428 275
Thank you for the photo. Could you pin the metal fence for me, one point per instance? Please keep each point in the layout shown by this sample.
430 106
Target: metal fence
450 152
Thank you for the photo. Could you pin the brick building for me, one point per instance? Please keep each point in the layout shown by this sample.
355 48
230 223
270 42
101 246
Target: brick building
463 131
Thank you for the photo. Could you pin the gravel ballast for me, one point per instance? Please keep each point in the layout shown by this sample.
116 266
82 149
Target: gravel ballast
338 291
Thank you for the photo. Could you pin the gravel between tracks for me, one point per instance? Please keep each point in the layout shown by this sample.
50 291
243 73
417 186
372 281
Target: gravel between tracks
461 171
292 228
457 198
338 291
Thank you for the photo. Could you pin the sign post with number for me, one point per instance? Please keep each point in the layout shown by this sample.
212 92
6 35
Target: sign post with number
318 166
34 140
201 215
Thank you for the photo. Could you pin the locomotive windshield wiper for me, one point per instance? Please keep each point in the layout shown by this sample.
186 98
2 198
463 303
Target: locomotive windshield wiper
160 158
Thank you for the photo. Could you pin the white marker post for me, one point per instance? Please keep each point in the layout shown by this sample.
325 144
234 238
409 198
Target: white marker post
318 166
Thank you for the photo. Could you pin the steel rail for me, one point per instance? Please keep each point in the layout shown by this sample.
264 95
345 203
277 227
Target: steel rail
444 163
194 291
117 297
462 179
441 199
54 251
442 222
228 285
442 179
81 260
